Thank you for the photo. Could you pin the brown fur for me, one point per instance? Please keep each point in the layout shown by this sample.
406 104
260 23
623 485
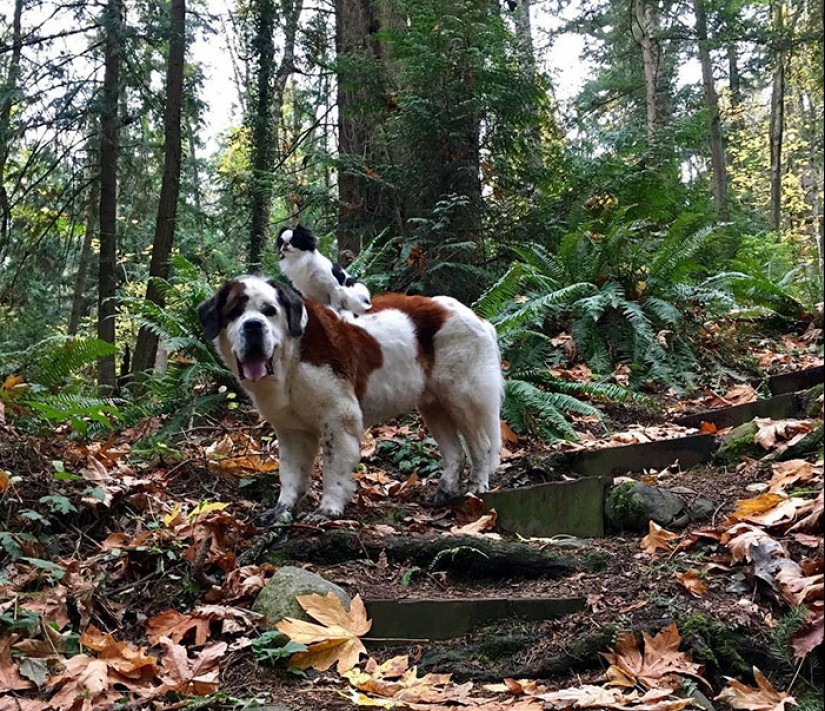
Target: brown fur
427 316
351 352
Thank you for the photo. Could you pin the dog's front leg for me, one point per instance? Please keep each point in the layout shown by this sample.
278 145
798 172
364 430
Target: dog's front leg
297 450
341 442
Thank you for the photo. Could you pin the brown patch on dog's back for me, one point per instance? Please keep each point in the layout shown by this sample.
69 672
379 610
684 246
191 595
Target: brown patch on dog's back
352 353
428 317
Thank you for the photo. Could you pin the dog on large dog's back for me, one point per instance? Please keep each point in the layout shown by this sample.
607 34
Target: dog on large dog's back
320 381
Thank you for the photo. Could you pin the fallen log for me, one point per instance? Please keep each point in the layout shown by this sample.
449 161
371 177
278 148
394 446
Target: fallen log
472 556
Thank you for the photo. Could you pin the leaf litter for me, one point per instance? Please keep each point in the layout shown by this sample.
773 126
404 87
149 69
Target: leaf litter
113 571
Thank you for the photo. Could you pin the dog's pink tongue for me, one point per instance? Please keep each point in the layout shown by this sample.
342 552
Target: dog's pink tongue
254 369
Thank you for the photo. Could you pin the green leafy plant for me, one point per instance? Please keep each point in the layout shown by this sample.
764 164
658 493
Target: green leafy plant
187 389
273 647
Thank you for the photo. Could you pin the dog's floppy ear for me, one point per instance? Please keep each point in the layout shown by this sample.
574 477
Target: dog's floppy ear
296 315
209 312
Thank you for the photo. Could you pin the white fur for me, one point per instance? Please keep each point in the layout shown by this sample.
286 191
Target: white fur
311 273
309 405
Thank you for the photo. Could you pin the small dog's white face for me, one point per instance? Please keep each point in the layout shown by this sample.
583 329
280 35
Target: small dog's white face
250 319
356 298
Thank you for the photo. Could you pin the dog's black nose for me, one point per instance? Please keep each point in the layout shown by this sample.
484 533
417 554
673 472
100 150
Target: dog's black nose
253 327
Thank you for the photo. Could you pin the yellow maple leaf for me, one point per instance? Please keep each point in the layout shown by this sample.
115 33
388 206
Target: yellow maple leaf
170 518
336 639
207 507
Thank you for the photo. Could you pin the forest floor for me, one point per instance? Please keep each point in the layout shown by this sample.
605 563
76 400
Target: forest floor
120 581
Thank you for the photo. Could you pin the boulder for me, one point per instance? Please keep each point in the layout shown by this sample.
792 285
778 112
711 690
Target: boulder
631 505
277 600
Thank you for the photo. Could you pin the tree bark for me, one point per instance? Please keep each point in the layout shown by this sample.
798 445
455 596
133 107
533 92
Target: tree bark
358 197
109 146
657 91
147 342
85 258
7 99
263 135
777 125
717 147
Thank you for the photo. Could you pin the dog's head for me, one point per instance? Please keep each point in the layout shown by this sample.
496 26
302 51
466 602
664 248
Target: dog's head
295 240
249 318
356 298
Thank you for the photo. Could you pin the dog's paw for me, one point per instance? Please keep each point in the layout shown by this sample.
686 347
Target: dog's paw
278 516
322 515
441 497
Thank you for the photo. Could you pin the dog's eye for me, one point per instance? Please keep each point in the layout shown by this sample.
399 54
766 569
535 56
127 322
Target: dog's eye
269 311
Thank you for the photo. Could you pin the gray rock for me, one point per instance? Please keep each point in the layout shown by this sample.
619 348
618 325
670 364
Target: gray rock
630 506
277 600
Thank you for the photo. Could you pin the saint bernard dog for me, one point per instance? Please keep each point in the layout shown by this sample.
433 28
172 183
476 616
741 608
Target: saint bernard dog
321 380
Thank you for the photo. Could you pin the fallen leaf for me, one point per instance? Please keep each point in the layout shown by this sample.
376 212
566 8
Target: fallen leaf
661 660
335 639
693 583
763 698
10 678
657 538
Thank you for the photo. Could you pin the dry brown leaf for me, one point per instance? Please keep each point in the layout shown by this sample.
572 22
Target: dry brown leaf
763 698
692 583
10 678
742 537
740 394
84 685
198 675
335 639
792 472
485 524
810 635
175 626
656 667
812 521
657 538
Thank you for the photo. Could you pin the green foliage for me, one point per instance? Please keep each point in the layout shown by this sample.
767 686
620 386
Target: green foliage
55 373
187 389
274 647
410 455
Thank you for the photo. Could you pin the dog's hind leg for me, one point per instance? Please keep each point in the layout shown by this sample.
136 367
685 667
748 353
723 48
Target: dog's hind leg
480 425
297 450
444 431
341 442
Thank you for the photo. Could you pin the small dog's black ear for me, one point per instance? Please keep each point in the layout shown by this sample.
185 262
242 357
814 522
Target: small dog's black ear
294 308
209 312
339 274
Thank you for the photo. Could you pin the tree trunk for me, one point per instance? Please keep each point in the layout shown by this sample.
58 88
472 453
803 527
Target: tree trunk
92 206
263 135
144 356
735 86
717 146
8 93
358 196
777 126
109 144
527 62
657 90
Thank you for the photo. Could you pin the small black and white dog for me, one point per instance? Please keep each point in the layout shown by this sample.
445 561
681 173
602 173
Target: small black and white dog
316 276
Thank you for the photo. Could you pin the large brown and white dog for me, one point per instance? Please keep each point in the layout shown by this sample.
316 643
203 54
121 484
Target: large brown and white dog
320 380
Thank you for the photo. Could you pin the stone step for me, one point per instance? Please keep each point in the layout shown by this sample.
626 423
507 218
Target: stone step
543 510
779 407
690 451
414 619
796 380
